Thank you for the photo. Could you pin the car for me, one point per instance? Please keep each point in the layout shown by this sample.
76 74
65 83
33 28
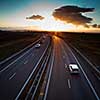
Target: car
37 45
74 69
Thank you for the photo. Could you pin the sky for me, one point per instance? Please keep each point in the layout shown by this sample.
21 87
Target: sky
38 14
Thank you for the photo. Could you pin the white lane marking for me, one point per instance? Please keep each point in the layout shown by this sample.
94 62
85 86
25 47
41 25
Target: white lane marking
86 59
12 76
65 53
69 84
90 84
19 52
15 60
48 82
26 62
65 66
30 75
19 56
97 76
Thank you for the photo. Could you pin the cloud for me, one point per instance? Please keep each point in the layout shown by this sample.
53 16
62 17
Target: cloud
96 26
35 17
73 14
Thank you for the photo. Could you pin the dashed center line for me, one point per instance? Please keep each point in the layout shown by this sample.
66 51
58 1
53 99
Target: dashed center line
12 76
65 65
69 84
26 62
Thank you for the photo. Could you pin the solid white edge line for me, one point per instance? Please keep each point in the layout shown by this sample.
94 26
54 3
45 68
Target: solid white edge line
12 76
86 59
69 84
19 51
30 75
47 87
15 60
90 84
40 76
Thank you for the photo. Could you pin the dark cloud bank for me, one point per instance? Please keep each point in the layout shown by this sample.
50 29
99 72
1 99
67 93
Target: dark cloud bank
70 14
95 26
73 14
35 17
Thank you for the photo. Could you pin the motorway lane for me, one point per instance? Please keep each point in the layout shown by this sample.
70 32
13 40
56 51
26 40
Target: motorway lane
79 83
63 85
88 70
13 78
5 66
58 83
16 56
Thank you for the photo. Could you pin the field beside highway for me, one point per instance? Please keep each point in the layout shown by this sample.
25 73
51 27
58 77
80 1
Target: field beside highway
12 42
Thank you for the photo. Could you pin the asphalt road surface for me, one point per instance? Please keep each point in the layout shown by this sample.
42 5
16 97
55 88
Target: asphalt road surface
14 75
63 85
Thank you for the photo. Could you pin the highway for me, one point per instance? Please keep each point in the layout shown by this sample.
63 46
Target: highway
63 85
57 83
15 74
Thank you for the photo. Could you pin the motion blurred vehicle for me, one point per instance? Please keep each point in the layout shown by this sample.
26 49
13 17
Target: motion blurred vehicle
37 45
74 69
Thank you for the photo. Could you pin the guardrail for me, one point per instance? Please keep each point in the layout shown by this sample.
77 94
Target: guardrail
46 83
38 80
34 78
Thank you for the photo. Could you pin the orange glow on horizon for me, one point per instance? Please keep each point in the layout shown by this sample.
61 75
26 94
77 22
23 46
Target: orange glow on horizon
48 24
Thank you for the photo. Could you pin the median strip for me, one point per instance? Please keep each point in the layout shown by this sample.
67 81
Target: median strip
21 92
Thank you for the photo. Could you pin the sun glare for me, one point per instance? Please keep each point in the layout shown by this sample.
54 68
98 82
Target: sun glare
50 24
53 25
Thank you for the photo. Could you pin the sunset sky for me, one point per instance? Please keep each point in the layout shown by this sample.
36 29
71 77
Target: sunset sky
41 14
